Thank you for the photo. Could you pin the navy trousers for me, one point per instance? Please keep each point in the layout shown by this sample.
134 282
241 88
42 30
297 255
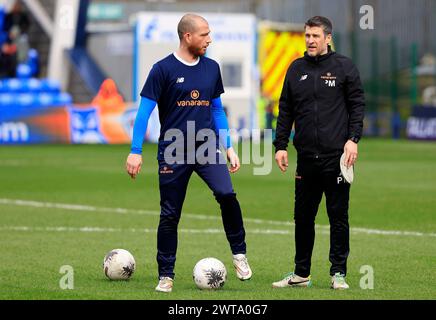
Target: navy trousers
173 182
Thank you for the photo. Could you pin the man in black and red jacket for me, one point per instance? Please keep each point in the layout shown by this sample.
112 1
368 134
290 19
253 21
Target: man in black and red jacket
323 96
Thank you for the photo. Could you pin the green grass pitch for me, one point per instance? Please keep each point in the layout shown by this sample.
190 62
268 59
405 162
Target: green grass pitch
58 206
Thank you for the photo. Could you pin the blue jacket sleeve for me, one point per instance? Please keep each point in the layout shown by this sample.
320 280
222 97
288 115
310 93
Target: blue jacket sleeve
221 123
140 127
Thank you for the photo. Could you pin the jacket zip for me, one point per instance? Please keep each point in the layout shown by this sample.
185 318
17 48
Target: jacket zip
316 111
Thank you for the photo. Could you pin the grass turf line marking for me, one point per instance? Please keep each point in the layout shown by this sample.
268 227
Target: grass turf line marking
87 208
136 230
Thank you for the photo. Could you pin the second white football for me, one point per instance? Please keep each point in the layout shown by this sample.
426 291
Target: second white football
119 264
209 273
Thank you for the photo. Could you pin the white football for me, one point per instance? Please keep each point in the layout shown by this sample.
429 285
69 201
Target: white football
119 264
209 273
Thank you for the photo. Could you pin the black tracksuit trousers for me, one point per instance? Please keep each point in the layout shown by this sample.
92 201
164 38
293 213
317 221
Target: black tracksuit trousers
313 178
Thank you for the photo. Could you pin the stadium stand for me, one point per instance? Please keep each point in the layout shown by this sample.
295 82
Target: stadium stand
26 89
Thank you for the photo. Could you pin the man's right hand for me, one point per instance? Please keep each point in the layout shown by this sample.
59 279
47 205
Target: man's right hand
133 164
282 159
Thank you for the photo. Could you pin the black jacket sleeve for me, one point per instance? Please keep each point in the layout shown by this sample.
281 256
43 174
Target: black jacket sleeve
355 102
286 115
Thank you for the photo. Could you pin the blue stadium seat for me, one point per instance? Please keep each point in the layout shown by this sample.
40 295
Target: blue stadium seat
2 16
32 54
24 71
63 99
31 93
7 99
20 85
33 61
33 85
14 85
26 100
34 100
46 99
3 35
17 85
49 85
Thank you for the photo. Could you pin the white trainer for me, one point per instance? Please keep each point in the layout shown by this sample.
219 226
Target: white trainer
243 270
165 284
338 282
292 280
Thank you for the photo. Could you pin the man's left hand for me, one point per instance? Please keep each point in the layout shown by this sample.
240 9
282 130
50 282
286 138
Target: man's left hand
233 159
350 150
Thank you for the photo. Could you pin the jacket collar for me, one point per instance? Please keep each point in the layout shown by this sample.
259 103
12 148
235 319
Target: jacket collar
318 59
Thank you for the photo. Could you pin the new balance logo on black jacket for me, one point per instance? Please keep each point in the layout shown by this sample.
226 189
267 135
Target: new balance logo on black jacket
323 95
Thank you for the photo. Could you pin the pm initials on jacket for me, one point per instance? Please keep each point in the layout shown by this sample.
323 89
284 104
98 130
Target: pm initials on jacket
329 80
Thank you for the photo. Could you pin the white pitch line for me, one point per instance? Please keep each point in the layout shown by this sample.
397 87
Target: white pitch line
76 207
146 230
87 208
